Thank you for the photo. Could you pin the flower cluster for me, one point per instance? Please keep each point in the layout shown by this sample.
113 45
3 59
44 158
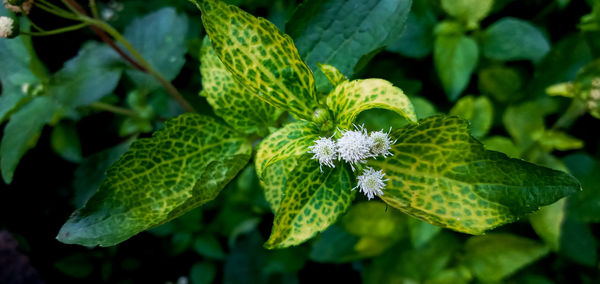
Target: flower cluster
7 27
355 147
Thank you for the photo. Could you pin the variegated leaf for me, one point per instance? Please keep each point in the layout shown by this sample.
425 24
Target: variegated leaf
260 57
334 75
313 201
349 99
439 173
290 141
275 179
237 105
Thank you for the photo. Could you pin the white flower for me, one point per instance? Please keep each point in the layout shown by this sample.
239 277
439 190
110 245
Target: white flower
354 146
382 143
371 182
6 27
325 151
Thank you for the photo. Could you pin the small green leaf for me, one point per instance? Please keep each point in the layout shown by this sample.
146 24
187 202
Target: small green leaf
332 74
183 165
421 232
585 206
203 273
554 139
160 38
373 219
209 246
502 144
417 39
501 83
292 140
479 111
440 174
578 243
455 58
341 32
65 142
260 57
525 122
514 39
313 201
22 132
495 256
548 221
349 99
239 107
338 246
469 11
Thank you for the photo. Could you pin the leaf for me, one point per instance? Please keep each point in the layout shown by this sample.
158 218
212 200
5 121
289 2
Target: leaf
65 142
349 99
585 206
203 273
469 11
554 139
160 38
274 180
548 221
525 122
87 77
455 58
502 144
417 39
260 57
341 32
239 107
501 83
292 140
332 74
514 39
22 132
183 165
578 243
495 256
313 201
440 174
421 232
373 219
479 111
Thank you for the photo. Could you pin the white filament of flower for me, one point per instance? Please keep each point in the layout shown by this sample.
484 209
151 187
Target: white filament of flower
354 146
371 182
324 150
382 143
6 27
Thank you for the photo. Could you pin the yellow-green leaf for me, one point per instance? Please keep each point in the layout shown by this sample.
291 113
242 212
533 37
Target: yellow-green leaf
334 75
290 141
440 174
275 179
237 105
349 99
313 201
260 57
182 166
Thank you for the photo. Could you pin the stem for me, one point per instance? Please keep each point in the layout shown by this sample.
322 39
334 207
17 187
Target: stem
576 109
57 31
94 9
100 27
58 12
114 109
29 20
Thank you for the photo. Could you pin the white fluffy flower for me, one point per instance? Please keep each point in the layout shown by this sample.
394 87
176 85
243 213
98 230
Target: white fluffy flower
325 151
6 27
354 146
371 182
382 143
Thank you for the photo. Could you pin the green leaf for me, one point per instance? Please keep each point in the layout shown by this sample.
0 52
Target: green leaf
442 175
469 11
421 232
160 38
514 39
495 256
203 273
183 165
578 243
417 39
349 99
502 144
332 74
373 219
525 122
260 57
292 140
455 58
87 77
501 83
209 246
479 111
585 206
341 32
313 201
554 139
239 107
547 223
65 142
22 132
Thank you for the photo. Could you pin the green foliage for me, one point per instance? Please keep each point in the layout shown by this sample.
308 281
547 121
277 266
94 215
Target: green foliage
514 39
468 11
340 33
455 57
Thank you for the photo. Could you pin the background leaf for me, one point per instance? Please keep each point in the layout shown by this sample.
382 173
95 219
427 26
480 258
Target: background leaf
341 32
468 11
514 39
455 58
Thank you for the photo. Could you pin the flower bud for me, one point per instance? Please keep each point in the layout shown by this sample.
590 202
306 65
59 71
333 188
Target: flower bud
9 27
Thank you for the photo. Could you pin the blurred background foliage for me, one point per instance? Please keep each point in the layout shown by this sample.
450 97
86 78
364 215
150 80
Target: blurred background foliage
526 74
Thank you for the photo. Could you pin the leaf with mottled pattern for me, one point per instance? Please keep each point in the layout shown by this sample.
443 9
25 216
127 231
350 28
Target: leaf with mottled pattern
183 165
349 99
235 104
332 74
440 174
313 201
289 141
274 180
260 57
